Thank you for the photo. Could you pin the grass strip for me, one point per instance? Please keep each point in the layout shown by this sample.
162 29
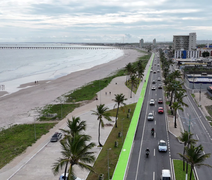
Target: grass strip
101 164
178 170
61 111
16 139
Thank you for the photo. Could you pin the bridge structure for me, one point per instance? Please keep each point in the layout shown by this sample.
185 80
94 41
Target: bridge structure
57 47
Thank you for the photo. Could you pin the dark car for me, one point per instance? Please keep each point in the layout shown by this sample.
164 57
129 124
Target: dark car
160 86
160 101
56 137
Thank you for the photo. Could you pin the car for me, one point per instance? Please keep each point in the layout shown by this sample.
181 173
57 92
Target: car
160 110
153 81
152 102
153 88
158 78
154 72
160 101
150 117
159 86
158 70
166 174
62 177
56 137
162 146
158 64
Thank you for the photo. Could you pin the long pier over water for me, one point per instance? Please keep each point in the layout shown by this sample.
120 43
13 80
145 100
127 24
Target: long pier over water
54 47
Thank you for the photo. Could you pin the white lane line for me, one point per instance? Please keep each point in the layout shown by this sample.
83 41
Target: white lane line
154 152
197 137
155 122
153 176
187 114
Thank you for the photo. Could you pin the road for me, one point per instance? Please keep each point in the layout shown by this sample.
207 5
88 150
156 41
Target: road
139 166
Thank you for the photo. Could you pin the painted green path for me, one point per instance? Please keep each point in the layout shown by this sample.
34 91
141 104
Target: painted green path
121 166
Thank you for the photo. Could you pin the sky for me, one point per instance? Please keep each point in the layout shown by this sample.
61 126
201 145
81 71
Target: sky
103 21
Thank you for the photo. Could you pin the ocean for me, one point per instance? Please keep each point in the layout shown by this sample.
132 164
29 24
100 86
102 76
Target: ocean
24 65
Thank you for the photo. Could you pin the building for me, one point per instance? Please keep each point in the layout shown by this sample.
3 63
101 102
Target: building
141 43
154 42
184 42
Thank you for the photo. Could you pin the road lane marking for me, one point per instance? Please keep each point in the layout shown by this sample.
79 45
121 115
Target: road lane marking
154 152
197 137
153 176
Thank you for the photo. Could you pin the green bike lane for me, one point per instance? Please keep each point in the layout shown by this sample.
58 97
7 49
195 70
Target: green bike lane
121 166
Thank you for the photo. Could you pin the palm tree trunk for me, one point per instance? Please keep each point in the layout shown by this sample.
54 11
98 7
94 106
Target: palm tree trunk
131 91
175 119
117 116
171 98
191 172
184 159
99 133
66 169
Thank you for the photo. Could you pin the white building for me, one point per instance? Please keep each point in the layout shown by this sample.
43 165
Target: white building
154 42
184 42
141 43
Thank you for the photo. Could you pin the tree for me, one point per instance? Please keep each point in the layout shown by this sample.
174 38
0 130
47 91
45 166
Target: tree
195 157
74 127
134 82
186 138
101 112
119 99
75 151
205 54
175 107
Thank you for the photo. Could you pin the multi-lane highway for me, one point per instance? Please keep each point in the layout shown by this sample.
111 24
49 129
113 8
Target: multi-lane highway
139 166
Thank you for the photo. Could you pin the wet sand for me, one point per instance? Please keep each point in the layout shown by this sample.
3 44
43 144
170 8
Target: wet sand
18 108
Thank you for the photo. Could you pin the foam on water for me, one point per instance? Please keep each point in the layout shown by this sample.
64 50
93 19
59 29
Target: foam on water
20 66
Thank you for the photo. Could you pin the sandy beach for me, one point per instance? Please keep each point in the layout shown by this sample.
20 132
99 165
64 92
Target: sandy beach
17 108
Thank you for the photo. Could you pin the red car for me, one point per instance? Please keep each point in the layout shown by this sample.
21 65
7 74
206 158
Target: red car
160 110
160 101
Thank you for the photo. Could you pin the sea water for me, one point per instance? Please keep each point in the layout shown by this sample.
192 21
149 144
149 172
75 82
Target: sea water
20 66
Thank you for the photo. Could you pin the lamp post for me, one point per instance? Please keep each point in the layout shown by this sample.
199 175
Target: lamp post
200 93
108 163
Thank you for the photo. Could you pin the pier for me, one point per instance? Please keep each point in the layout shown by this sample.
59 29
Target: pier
56 47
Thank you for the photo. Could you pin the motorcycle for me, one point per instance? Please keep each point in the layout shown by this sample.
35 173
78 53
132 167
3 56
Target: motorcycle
152 132
147 154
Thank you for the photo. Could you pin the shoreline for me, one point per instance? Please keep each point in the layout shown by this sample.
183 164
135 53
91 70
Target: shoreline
17 108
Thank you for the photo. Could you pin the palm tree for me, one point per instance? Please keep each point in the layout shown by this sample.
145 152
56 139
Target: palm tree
194 155
119 99
186 138
175 107
74 127
75 151
133 81
101 112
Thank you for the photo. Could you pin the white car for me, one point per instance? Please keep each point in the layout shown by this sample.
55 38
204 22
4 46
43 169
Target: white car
152 102
62 177
162 146
153 88
150 117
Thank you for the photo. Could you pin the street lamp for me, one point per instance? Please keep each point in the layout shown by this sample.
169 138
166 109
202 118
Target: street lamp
108 163
200 93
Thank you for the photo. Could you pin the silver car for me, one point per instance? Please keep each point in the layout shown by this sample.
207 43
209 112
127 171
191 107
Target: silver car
150 117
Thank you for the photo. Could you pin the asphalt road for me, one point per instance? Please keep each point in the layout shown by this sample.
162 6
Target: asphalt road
139 166
194 121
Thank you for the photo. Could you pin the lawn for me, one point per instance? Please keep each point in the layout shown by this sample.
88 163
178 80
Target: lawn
101 164
16 139
179 173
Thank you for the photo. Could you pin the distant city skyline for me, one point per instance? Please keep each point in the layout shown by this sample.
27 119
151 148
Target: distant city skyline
106 21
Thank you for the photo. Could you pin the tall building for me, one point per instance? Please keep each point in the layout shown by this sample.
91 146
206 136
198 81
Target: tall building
141 43
184 42
154 42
